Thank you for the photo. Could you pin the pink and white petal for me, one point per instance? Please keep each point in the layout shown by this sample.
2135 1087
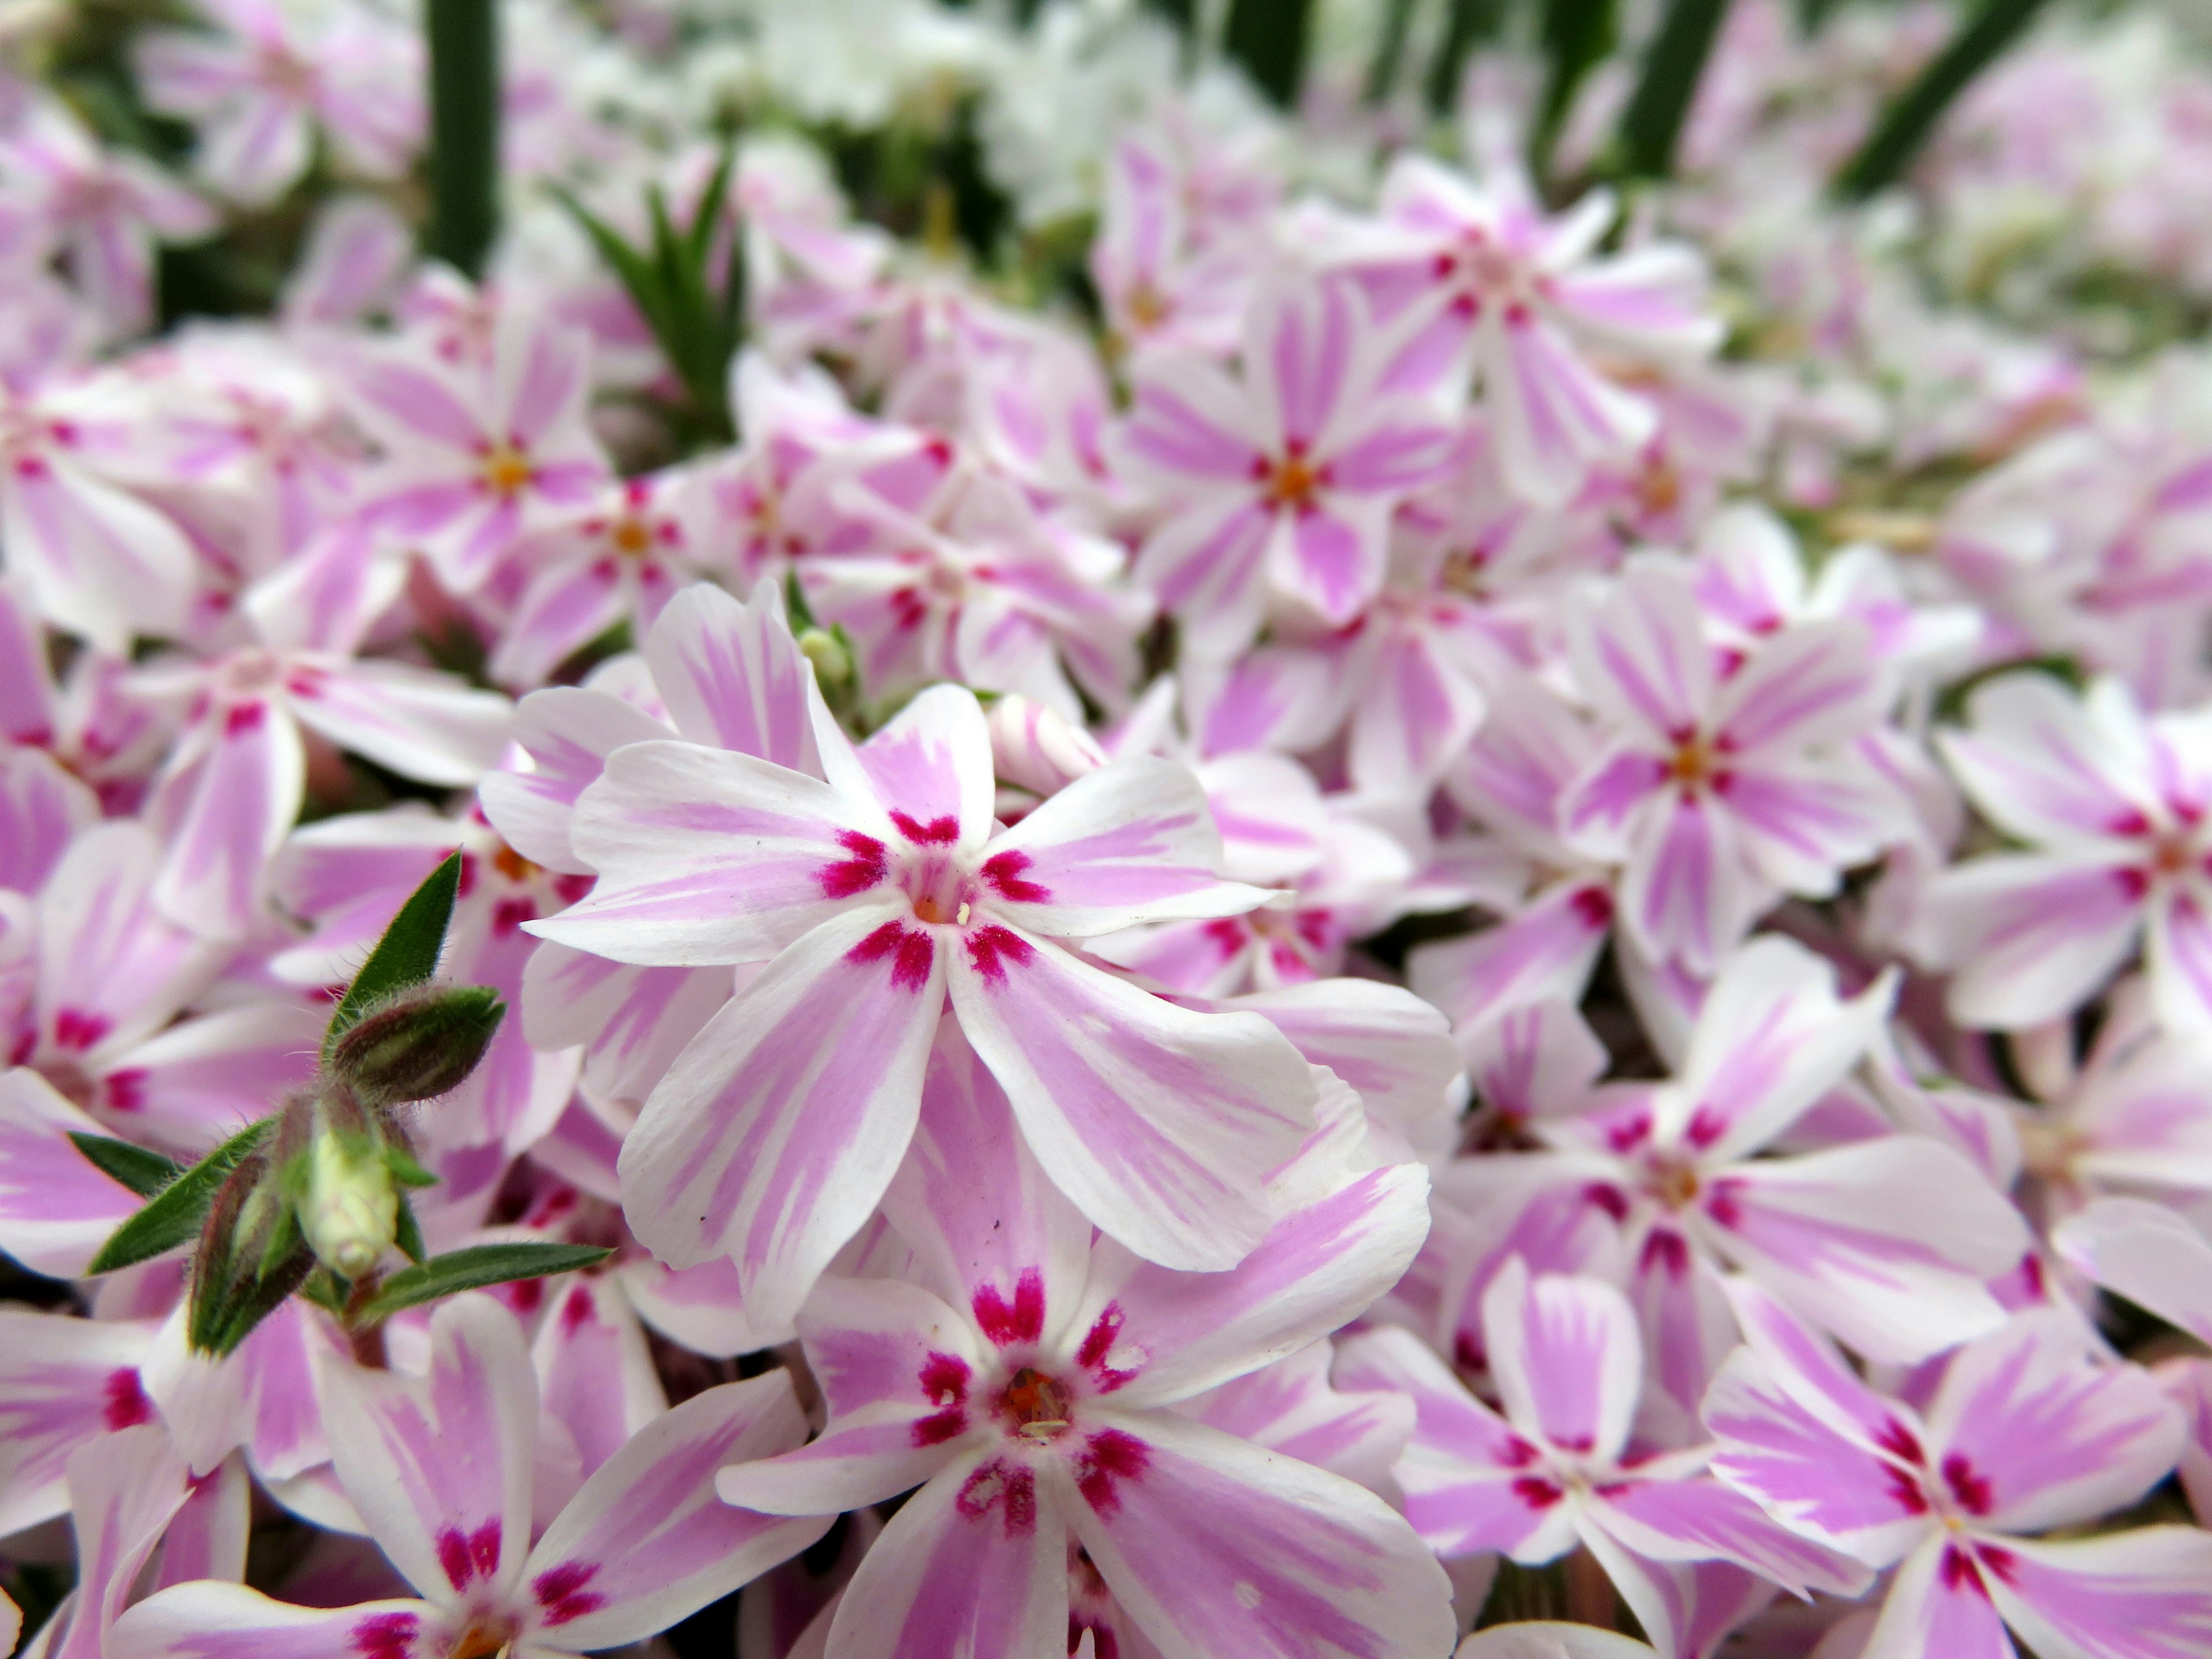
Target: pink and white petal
1302 345
774 1135
733 677
569 732
1397 449
594 1374
1161 1124
1649 302
2150 1253
1384 1041
1542 1639
2047 766
1642 656
1417 716
1214 1546
1546 952
637 1020
1771 1039
410 402
895 1364
1205 564
1802 823
224 817
1687 1609
568 604
1566 1359
123 1490
1533 1061
112 967
1886 1243
98 561
1688 1332
991 1233
2043 1432
705 856
931 766
440 1466
699 1308
2177 960
1813 683
42 808
973 1566
203 1080
1162 1335
1292 1407
1463 1472
57 1207
1688 894
229 1621
2146 1593
1189 422
1329 559
1937 1603
647 1541
208 1536
1699 1519
419 724
1133 842
1554 413
63 1381
2031 936
264 1396
1600 808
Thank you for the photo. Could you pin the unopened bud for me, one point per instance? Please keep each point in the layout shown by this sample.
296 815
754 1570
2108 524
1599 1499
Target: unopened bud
350 1214
1038 748
422 1042
833 663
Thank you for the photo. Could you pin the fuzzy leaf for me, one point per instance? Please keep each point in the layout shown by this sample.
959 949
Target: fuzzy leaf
143 1172
407 954
410 1236
174 1214
474 1268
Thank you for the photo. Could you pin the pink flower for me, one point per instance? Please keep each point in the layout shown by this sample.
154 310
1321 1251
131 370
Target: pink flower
441 1468
872 897
2112 805
1279 487
1560 1468
476 459
275 76
1031 1377
2026 1432
1728 780
1479 278
1160 288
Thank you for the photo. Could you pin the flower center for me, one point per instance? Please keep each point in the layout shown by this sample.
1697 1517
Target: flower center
1036 1405
505 469
2172 854
1146 306
484 1638
1694 764
1289 484
631 536
1673 1184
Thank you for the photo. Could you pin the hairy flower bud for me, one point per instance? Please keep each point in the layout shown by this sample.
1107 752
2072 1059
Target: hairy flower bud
833 663
350 1214
420 1043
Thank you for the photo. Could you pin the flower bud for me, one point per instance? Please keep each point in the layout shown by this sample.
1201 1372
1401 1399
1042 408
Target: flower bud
1039 748
350 1214
420 1043
833 663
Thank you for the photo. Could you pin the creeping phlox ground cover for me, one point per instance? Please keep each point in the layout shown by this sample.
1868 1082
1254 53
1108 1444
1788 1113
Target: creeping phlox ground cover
1068 830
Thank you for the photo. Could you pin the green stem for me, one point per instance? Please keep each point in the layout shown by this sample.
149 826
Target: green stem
464 92
1389 50
1906 123
1467 24
1671 69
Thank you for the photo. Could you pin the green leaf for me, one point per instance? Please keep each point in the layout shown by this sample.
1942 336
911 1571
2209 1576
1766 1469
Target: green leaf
405 1170
1906 123
1671 69
410 1234
230 1319
407 954
1577 35
475 1268
1268 38
465 108
175 1213
143 1172
1467 23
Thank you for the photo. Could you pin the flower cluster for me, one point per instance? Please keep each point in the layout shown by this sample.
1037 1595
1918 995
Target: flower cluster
1285 883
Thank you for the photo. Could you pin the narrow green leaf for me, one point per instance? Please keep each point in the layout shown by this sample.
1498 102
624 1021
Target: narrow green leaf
1577 35
254 1300
410 1236
1268 38
637 277
705 220
1671 69
1389 50
405 1170
173 1215
143 1172
325 1289
1467 24
1906 123
464 106
407 954
794 601
475 1268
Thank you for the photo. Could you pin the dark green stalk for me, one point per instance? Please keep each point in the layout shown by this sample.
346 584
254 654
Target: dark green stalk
1389 50
1467 24
464 90
1671 69
1268 38
1577 35
1906 123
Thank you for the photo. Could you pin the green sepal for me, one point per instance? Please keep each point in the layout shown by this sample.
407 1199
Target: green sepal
419 1042
173 1215
326 1289
144 1172
284 1237
409 1235
220 1324
407 955
405 1170
475 1268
